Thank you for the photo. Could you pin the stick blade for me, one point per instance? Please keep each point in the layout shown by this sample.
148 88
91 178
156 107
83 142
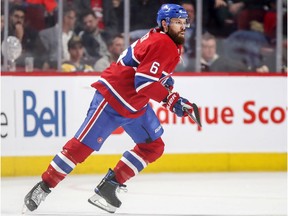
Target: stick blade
196 116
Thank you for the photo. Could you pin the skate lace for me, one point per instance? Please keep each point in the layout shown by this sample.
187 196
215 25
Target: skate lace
38 195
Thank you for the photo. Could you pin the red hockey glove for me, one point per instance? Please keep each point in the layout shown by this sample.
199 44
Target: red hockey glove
176 104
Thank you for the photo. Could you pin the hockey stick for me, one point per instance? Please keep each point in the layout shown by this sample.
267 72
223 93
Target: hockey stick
195 118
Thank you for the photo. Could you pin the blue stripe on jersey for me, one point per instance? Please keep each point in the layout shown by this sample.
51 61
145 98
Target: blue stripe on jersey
140 80
133 160
128 59
60 163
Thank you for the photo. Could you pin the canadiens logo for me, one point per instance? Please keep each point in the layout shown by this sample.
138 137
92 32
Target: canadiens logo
99 139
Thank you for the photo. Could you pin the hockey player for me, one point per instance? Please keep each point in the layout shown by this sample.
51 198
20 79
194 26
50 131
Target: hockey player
123 91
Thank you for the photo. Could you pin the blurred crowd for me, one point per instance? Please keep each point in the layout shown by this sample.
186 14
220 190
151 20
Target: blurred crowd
237 35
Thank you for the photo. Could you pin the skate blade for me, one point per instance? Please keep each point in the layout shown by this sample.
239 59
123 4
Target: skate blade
24 209
101 203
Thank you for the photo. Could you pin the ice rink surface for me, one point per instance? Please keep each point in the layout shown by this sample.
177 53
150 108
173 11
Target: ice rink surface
195 194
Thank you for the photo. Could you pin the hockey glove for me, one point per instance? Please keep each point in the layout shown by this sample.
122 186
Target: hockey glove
176 104
168 83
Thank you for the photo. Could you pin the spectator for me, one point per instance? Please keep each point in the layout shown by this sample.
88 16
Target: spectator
50 40
190 33
118 8
284 57
44 10
217 19
115 48
2 22
93 38
183 63
50 5
76 51
142 13
211 61
35 16
140 23
2 32
16 22
2 25
27 36
249 47
105 12
245 11
270 22
285 43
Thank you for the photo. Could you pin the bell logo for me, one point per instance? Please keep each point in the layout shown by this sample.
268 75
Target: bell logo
49 120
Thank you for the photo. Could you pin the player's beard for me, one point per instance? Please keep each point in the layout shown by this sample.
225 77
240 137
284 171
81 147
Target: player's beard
176 37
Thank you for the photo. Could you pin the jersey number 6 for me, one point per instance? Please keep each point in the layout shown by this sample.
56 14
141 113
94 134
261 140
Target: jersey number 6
154 68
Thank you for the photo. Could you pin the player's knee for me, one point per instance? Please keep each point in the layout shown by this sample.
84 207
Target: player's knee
150 152
76 151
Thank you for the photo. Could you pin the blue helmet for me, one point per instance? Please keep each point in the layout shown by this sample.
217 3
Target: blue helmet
169 11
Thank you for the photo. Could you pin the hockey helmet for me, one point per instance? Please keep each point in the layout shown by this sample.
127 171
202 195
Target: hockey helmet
169 11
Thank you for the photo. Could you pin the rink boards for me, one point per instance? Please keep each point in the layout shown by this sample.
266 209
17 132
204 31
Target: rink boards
244 120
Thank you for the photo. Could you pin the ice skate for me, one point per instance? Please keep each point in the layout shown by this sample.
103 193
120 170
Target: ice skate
105 193
37 194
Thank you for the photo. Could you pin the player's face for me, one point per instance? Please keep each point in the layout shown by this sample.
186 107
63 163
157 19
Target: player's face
176 30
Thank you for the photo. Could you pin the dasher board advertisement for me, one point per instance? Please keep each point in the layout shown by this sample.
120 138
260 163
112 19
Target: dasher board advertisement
238 113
